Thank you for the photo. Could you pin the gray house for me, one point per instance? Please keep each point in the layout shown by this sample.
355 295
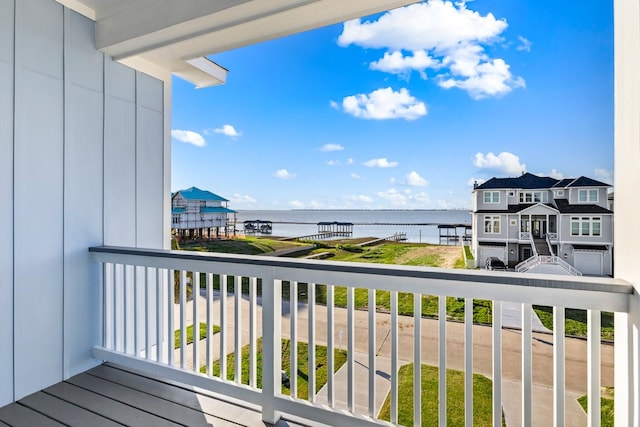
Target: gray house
519 219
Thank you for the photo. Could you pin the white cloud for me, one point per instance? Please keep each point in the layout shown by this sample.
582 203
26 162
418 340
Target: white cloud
473 181
242 199
404 198
188 137
284 174
334 105
553 174
333 163
380 163
355 176
349 161
358 198
505 162
604 175
524 44
415 180
393 196
480 77
228 130
331 147
439 35
422 198
397 63
296 204
384 104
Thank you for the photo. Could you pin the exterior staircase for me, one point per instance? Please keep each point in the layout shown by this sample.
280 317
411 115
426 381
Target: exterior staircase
542 248
542 256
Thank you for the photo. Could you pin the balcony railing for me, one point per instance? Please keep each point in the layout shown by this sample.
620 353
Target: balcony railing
145 295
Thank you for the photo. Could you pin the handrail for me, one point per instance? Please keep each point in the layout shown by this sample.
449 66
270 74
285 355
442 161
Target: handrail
549 244
529 263
533 245
144 294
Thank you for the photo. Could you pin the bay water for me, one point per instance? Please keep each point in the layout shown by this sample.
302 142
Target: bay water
419 225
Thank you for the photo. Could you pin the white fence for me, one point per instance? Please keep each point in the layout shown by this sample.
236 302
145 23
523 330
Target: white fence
139 324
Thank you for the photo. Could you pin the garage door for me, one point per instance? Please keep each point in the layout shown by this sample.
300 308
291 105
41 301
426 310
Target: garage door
489 251
588 262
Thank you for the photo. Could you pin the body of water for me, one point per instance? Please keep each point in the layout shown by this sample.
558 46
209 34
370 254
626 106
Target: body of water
419 225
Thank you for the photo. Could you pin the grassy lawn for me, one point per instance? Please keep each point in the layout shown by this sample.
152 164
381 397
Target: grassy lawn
576 321
203 333
606 408
340 357
482 388
245 246
387 253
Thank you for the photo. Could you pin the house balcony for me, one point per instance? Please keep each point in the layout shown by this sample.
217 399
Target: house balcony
536 375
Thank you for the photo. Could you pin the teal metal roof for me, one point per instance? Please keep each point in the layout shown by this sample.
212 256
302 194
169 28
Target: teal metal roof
194 193
177 210
215 209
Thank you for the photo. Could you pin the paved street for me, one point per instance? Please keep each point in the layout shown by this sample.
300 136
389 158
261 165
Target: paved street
576 355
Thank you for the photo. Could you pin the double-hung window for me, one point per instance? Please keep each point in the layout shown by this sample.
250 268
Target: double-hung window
491 196
588 195
492 224
586 226
534 197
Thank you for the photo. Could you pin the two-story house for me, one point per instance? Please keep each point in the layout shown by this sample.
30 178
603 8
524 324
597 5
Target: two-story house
516 219
200 213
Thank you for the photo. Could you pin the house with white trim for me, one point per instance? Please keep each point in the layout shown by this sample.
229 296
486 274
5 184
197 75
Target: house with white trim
522 219
197 213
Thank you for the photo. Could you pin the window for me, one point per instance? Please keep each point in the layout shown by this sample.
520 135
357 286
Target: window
492 224
491 196
512 193
585 226
560 193
588 195
513 222
534 197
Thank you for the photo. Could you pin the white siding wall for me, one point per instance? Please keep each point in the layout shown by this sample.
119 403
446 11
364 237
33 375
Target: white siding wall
83 161
6 198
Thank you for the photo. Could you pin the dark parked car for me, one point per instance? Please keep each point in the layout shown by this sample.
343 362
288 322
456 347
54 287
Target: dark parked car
495 263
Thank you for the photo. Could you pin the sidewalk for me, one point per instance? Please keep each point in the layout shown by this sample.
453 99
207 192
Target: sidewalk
575 364
361 385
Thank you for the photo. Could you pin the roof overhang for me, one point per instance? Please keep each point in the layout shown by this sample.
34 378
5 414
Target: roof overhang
538 209
176 35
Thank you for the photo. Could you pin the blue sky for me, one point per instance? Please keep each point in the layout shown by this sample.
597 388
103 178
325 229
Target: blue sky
404 110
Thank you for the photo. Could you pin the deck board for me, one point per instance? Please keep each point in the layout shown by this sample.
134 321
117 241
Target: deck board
110 395
17 415
168 410
108 408
65 412
181 395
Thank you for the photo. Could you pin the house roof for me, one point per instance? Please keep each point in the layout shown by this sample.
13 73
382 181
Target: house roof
529 181
215 209
515 208
194 193
583 181
177 210
565 207
524 181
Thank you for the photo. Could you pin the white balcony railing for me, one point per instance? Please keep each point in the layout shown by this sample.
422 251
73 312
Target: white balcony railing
140 317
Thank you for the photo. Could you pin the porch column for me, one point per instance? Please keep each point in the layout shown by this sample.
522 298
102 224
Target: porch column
627 179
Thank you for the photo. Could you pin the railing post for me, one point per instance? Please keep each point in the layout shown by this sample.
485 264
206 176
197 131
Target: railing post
271 346
627 369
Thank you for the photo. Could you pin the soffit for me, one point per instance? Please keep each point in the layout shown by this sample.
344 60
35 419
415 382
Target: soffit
165 34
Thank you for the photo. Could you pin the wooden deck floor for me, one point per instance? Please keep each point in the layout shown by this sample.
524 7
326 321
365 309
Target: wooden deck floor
112 396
